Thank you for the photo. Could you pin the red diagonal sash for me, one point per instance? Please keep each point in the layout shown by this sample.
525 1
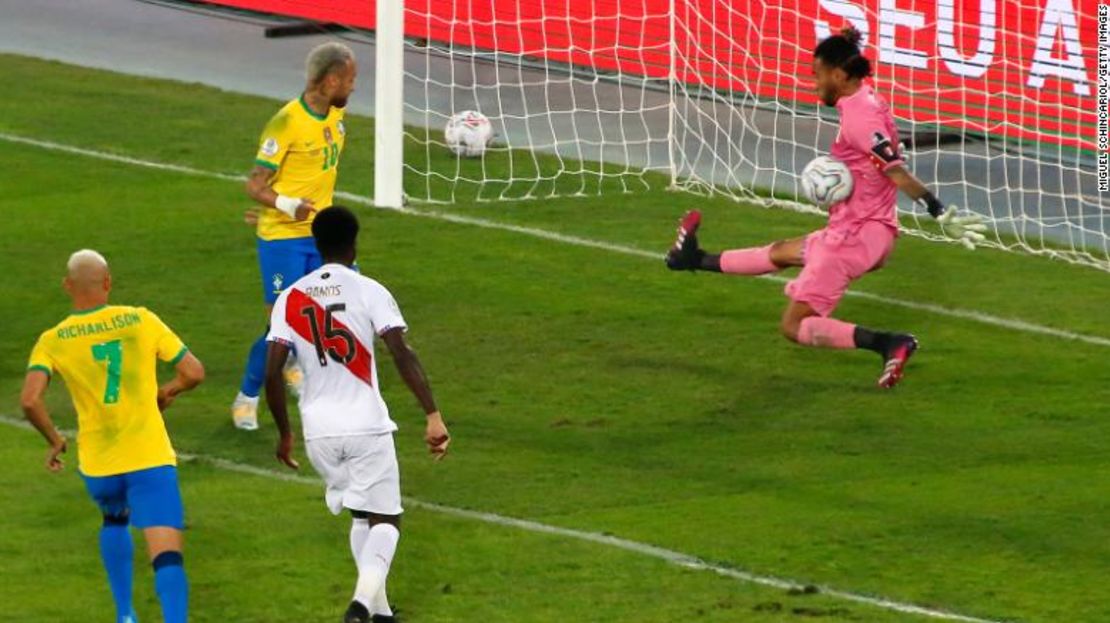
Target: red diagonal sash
336 347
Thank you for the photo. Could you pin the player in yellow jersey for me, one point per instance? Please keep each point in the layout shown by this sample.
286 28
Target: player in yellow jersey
294 177
108 355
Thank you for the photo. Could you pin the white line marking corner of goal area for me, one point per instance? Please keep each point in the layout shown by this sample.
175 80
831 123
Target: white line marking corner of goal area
670 556
963 314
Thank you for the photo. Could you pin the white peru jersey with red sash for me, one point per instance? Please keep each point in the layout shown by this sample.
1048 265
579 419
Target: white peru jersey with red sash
329 318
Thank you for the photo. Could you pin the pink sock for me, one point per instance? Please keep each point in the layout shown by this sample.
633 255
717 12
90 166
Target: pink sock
826 333
752 261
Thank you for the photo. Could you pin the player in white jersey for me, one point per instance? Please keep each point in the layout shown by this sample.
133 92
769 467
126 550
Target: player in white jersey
329 319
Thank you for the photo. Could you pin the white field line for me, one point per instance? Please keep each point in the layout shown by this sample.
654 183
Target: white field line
674 557
963 314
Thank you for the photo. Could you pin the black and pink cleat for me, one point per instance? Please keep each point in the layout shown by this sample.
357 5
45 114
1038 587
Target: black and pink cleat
896 360
685 254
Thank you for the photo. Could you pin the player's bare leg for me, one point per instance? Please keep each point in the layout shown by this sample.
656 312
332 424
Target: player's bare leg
803 325
786 253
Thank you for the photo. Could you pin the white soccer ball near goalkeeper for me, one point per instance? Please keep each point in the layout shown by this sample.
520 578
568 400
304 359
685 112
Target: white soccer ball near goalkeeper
826 181
468 133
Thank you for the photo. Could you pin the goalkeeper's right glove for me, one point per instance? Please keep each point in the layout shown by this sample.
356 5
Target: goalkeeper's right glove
967 230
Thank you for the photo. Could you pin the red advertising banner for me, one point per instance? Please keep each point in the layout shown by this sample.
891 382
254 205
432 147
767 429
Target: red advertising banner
1021 69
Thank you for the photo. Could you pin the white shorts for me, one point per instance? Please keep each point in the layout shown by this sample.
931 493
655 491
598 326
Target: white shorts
360 472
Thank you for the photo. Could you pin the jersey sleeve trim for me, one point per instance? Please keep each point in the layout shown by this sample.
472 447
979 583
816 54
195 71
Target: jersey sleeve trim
269 165
40 368
179 356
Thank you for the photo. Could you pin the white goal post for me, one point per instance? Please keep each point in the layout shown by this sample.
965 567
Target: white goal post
389 108
999 102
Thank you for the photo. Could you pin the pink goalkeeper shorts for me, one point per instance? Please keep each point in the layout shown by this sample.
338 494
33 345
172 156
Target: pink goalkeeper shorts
834 258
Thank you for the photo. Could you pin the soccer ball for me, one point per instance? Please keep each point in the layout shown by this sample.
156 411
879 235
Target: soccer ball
468 133
826 181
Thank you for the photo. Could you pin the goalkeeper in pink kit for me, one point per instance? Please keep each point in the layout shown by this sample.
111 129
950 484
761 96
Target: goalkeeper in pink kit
861 230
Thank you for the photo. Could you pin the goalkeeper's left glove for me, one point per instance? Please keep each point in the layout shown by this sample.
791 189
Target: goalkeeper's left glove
967 230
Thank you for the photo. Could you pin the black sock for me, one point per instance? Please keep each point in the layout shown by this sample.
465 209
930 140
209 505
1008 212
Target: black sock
710 262
356 611
877 341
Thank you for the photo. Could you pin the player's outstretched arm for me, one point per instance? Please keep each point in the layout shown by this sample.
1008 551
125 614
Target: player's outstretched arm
966 229
189 373
258 188
30 399
276 401
408 364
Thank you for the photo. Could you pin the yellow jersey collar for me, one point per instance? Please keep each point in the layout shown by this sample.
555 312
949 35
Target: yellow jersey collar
311 112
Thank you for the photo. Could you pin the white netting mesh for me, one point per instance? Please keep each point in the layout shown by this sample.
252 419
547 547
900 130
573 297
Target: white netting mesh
995 97
572 101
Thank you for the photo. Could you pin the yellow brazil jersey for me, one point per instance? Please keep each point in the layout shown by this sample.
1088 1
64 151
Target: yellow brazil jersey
302 148
108 358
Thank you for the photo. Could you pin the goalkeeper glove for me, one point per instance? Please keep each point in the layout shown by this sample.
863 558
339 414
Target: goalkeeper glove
967 230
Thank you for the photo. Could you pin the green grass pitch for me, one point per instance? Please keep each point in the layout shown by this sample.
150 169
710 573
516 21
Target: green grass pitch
585 389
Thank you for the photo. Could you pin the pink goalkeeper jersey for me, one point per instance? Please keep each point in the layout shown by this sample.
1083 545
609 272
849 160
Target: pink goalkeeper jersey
865 124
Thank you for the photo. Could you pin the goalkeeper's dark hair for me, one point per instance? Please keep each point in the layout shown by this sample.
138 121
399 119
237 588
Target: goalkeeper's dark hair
843 51
335 230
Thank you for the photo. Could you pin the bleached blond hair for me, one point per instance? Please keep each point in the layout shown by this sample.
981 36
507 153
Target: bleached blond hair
326 58
85 258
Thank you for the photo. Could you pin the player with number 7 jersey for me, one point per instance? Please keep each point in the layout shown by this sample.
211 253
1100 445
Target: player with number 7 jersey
108 356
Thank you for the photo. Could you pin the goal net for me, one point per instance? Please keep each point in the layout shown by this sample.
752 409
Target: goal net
997 102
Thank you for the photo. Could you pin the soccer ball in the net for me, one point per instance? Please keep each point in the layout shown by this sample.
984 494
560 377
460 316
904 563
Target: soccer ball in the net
826 181
468 133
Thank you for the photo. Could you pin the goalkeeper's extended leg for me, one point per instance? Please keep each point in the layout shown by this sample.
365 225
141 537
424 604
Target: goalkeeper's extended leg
802 324
685 254
834 259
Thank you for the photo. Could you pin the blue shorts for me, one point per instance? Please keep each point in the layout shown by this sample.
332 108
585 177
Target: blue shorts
150 496
285 261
